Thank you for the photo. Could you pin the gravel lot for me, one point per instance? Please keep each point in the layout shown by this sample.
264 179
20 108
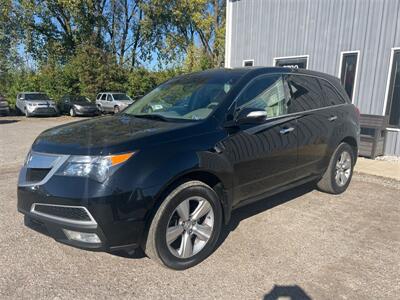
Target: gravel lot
301 244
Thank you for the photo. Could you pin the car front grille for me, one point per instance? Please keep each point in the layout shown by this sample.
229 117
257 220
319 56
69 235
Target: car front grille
36 175
69 213
44 110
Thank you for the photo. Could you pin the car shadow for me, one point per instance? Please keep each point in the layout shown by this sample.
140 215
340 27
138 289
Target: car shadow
291 292
260 206
8 121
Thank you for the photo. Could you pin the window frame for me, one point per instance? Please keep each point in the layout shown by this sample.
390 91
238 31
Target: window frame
342 54
246 61
306 56
284 75
393 50
285 87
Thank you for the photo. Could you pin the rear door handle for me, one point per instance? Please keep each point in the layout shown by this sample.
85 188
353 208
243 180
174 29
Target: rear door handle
286 130
332 118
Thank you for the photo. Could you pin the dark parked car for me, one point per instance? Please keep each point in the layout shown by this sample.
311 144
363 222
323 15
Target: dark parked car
167 181
77 106
4 107
35 104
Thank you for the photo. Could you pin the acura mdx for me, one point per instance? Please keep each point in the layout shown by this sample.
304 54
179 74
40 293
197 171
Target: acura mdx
166 179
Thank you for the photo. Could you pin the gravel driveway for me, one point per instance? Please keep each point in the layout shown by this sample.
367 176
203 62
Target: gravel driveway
301 244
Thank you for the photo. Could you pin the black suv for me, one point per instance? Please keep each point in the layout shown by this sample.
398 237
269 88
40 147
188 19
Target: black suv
167 179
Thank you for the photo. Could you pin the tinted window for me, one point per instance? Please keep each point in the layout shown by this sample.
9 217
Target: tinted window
266 93
121 97
296 63
109 98
103 97
331 95
393 105
79 99
348 72
305 93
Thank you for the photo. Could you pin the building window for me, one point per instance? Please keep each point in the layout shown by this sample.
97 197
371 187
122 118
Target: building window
393 100
248 63
348 71
296 62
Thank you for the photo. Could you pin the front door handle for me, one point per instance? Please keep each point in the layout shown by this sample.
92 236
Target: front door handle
332 118
286 130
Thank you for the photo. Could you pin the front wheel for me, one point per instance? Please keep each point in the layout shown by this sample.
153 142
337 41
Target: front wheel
27 114
340 170
72 112
186 227
116 109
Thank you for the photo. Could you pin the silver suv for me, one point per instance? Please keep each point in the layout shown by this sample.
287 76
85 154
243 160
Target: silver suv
113 102
36 104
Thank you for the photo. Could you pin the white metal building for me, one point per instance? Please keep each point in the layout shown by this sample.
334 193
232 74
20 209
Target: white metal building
356 40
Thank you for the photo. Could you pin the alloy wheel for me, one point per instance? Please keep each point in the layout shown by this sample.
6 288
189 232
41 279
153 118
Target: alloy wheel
343 168
190 227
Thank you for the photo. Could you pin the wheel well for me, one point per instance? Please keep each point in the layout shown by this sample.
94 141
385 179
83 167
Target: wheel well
206 177
353 143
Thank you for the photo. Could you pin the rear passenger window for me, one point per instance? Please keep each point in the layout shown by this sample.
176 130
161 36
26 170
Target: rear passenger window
103 97
266 93
305 93
331 95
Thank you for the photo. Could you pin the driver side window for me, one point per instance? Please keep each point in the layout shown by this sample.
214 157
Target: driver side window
265 93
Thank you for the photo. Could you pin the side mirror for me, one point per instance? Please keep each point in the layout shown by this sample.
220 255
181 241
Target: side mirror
251 116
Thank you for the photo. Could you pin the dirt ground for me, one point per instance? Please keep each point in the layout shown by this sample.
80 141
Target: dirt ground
301 244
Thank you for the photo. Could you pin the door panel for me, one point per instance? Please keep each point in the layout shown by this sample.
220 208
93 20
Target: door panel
263 158
314 127
264 155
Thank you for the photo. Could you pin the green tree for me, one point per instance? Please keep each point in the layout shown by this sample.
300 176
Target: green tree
187 28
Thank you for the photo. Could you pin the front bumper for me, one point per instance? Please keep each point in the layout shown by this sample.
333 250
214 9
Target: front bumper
43 111
87 112
114 235
4 110
117 208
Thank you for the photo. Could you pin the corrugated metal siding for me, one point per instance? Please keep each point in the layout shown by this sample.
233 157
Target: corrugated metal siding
392 145
265 29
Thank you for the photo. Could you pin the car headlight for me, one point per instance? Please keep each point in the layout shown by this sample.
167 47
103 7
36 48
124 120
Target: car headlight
98 168
31 104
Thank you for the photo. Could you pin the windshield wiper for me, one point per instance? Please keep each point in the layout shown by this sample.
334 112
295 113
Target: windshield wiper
153 117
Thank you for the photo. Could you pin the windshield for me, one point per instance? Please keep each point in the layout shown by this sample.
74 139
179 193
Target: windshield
79 99
190 97
36 97
121 97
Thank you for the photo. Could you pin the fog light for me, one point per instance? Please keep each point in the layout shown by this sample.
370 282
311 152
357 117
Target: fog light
85 237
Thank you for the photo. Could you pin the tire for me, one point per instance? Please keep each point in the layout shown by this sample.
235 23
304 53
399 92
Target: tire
173 255
27 113
72 112
100 109
340 166
116 109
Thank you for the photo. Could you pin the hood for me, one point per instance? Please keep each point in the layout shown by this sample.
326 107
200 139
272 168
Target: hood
123 103
110 134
